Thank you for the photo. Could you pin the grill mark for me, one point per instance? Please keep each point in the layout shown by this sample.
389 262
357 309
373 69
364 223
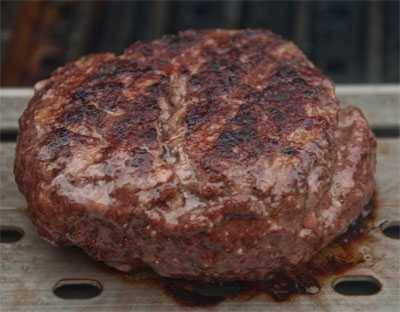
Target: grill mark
221 76
229 139
88 113
187 68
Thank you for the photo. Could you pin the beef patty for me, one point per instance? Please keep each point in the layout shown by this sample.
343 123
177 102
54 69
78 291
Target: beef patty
213 155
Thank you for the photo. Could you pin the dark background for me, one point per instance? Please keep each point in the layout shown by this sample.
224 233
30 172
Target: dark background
351 41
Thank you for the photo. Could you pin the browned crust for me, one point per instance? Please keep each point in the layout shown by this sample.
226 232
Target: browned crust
159 152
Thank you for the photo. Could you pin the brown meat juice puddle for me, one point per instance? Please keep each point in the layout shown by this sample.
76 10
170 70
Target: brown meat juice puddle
335 259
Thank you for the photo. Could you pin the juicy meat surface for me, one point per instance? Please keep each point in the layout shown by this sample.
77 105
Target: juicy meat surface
211 155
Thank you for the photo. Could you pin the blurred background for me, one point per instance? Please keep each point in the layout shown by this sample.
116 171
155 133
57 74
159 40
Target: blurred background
351 41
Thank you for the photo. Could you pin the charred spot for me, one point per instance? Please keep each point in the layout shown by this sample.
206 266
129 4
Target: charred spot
214 66
143 110
279 97
299 82
224 64
216 77
104 87
255 97
273 141
216 83
150 103
198 113
111 69
285 72
57 141
311 93
234 67
184 70
80 95
106 70
140 158
164 79
287 85
61 137
158 89
149 135
121 129
262 145
276 114
258 147
288 81
275 94
135 123
116 67
255 58
233 78
244 117
146 68
195 80
111 103
234 53
107 94
229 139
85 112
288 150
240 215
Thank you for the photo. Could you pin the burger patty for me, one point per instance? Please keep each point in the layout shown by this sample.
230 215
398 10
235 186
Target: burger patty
212 155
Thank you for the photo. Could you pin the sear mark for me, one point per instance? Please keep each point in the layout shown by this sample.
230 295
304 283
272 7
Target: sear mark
276 114
106 95
57 143
116 67
244 116
228 139
148 135
199 114
288 150
89 113
80 95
